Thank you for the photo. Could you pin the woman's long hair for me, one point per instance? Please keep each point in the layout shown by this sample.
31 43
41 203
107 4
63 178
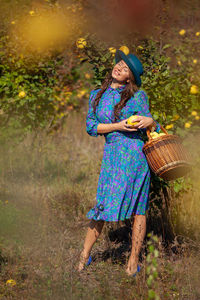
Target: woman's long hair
126 94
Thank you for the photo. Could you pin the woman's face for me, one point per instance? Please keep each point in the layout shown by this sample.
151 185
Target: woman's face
120 71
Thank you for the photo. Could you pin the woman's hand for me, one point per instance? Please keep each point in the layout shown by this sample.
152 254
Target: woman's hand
144 122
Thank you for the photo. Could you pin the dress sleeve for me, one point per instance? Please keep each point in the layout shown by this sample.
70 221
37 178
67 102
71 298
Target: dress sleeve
143 105
91 119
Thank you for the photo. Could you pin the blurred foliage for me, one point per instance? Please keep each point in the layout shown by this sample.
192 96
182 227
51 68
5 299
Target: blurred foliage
40 82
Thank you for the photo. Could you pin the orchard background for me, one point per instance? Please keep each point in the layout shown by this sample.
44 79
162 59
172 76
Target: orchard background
52 54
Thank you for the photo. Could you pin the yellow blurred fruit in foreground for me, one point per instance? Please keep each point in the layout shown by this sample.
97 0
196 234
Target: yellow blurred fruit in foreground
130 120
187 125
22 94
194 61
81 43
31 12
197 118
182 32
194 89
194 113
197 33
124 49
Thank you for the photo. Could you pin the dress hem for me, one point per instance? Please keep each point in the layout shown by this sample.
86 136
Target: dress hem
106 220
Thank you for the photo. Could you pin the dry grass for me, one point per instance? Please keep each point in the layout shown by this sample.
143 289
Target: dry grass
47 186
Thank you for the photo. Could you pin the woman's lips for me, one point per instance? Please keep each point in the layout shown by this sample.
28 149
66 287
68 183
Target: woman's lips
115 72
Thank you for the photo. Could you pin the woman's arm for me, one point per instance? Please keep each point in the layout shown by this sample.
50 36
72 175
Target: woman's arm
93 126
105 128
91 119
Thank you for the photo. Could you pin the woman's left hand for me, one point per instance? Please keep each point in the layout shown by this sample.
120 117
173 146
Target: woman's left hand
144 122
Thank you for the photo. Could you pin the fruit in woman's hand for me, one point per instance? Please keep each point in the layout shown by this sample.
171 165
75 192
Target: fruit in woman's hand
130 120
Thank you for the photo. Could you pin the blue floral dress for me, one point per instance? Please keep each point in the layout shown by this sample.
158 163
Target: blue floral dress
124 180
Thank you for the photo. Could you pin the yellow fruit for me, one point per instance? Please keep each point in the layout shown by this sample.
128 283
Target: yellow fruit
81 93
81 43
169 126
194 113
194 61
194 89
112 50
187 125
22 94
179 63
196 117
31 12
11 282
13 22
175 117
88 75
182 32
197 33
131 119
162 133
124 49
154 134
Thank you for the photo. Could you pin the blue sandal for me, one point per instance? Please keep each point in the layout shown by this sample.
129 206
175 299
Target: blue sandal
138 270
89 261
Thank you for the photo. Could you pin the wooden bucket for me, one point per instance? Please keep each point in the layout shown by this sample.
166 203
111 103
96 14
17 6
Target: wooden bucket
166 156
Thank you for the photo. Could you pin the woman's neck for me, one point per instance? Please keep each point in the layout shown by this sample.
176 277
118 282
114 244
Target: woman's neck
115 85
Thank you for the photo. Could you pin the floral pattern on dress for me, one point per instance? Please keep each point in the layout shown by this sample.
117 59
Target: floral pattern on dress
124 180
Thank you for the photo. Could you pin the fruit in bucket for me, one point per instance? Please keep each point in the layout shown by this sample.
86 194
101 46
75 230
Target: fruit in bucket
130 120
155 134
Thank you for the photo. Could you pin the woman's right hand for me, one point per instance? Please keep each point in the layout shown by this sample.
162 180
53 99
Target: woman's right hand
123 126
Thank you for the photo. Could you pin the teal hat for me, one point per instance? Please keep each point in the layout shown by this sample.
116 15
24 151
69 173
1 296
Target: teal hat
133 62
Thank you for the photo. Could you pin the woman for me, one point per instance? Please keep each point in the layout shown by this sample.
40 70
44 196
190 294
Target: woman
124 181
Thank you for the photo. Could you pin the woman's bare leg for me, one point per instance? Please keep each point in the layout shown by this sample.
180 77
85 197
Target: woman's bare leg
138 234
93 232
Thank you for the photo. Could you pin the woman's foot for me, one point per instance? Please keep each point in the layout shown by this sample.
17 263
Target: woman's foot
132 266
83 260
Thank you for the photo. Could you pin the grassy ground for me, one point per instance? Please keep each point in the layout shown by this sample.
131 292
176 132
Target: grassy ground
47 186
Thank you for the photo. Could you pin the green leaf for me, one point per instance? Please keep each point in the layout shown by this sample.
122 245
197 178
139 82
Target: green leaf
151 294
